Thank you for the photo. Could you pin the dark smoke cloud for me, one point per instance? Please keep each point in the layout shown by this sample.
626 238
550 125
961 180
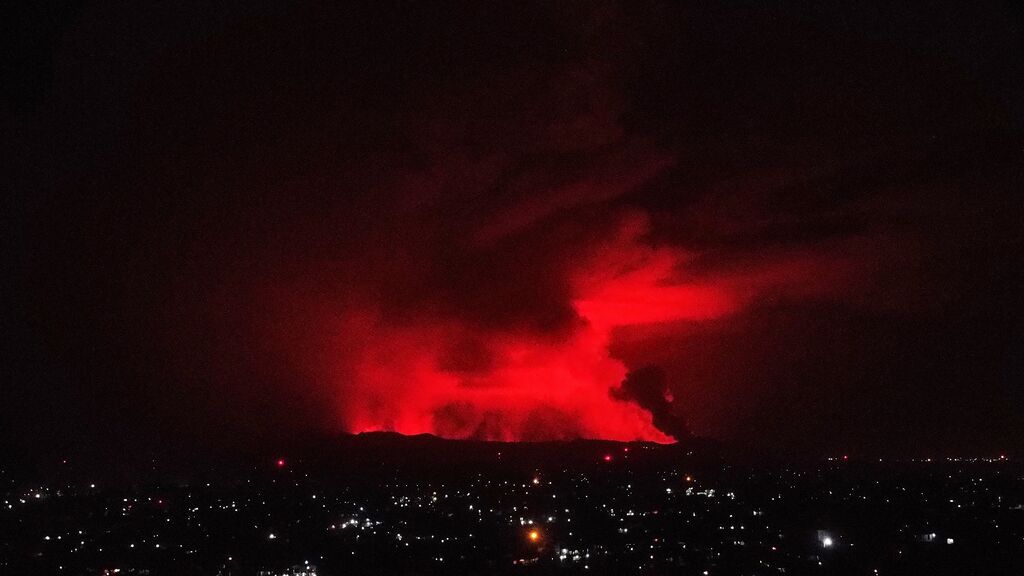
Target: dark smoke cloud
648 387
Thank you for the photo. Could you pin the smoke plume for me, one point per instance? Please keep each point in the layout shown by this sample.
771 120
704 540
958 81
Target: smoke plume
648 388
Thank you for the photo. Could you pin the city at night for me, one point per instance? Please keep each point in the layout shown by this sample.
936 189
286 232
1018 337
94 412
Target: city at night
598 287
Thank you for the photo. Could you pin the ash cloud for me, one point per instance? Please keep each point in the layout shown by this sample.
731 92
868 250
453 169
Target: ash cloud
648 387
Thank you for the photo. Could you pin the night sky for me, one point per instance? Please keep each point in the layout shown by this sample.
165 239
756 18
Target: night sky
796 229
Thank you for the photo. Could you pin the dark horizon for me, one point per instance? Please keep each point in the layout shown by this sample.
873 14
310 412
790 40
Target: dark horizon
788 230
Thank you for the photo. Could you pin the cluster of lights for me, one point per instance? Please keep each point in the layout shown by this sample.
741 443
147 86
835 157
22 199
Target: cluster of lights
521 499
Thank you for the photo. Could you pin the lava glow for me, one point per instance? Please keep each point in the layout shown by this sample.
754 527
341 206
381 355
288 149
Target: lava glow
521 385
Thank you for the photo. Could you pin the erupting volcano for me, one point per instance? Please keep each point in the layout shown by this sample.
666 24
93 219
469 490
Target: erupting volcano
442 377
544 371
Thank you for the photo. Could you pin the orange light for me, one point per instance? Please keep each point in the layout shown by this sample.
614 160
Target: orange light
534 535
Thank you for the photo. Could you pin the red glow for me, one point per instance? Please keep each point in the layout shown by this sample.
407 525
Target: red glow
280 463
437 374
607 457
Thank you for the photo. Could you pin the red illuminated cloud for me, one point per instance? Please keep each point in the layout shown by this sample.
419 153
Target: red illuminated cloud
446 375
477 290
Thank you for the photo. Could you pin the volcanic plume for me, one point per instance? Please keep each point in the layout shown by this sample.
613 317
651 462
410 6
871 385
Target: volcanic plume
476 285
511 339
526 378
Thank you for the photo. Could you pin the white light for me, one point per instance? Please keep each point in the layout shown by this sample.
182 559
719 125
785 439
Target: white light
949 540
827 542
271 537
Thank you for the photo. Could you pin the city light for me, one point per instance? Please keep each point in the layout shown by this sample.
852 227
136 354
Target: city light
636 510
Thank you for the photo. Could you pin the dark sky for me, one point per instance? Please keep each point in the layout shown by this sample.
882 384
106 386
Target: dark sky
229 224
